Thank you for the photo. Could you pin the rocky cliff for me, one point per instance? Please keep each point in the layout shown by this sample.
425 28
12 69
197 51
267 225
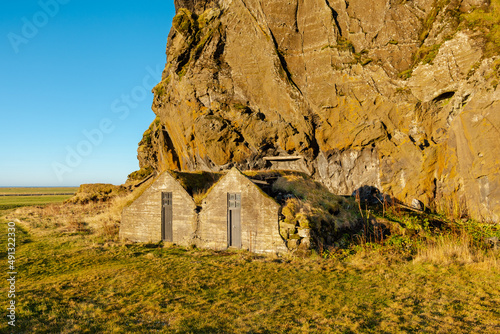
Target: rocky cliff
397 94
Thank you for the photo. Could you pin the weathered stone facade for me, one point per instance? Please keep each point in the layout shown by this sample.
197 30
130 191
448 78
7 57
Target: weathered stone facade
142 220
259 216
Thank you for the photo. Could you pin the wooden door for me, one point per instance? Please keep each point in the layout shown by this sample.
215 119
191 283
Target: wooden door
166 217
234 220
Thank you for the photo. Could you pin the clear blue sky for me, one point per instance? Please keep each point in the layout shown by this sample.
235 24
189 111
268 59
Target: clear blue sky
75 87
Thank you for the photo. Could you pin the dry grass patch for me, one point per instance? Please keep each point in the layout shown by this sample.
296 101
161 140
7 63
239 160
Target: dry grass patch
448 250
80 215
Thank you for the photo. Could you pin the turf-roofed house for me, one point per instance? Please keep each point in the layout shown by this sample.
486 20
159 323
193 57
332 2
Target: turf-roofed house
237 213
209 210
261 211
165 211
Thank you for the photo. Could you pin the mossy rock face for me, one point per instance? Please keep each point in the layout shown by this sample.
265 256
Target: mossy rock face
304 232
284 232
183 22
197 182
353 125
290 210
208 16
303 220
287 226
161 88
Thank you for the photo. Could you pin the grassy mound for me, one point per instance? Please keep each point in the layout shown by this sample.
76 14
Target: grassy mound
97 192
312 216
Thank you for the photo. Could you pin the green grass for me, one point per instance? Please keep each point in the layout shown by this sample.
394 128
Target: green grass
487 22
9 202
35 190
80 283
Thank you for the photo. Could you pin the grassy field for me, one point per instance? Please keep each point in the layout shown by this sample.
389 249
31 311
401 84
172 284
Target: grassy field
74 276
9 202
35 190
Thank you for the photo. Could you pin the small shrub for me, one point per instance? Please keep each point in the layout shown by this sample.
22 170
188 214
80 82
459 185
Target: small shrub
343 44
109 230
366 61
161 88
240 107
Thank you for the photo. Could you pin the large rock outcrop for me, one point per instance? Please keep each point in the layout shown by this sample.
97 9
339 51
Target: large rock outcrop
388 93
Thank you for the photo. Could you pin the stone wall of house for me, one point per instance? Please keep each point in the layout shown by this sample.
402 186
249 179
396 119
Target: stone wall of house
141 221
259 216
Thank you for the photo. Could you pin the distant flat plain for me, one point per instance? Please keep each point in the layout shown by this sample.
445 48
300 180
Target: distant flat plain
36 190
33 196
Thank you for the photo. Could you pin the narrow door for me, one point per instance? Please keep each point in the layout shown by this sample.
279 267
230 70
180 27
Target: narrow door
166 217
234 220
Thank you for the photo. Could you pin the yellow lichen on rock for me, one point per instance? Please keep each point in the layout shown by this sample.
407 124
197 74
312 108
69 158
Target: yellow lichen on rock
248 79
